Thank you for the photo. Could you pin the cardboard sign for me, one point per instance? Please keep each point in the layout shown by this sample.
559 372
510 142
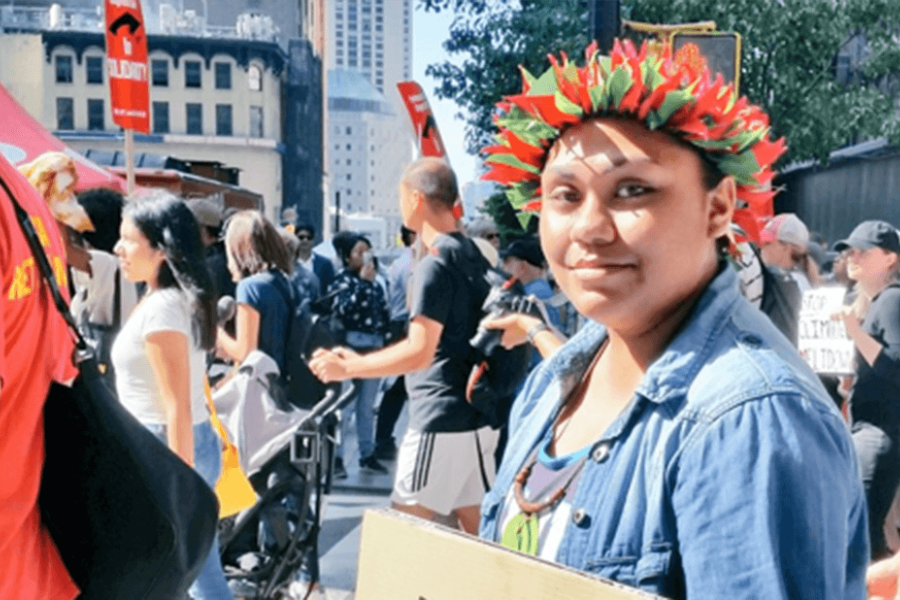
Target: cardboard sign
428 138
126 65
405 558
823 342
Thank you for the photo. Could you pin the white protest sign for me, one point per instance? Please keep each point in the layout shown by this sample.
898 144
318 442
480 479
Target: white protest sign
823 342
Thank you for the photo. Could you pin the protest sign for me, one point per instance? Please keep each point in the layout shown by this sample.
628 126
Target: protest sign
822 341
126 65
406 558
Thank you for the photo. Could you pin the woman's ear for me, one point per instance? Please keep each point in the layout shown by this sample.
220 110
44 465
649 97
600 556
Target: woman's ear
721 202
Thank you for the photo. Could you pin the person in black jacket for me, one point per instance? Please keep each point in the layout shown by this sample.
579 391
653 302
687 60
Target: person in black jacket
873 261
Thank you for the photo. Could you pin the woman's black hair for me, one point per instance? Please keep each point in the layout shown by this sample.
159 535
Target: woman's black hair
343 242
169 225
104 208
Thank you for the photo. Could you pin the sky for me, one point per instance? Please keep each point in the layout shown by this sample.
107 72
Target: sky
429 32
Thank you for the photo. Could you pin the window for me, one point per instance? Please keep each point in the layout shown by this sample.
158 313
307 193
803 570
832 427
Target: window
223 76
160 72
94 67
256 122
349 147
65 114
254 78
223 119
194 113
160 117
349 162
63 69
96 115
349 132
192 75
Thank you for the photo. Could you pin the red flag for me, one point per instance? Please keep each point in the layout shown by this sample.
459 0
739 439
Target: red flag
126 64
427 134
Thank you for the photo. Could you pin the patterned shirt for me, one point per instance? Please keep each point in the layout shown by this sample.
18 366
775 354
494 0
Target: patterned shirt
360 304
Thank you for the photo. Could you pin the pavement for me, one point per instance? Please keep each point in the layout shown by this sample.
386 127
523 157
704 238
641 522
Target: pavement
342 518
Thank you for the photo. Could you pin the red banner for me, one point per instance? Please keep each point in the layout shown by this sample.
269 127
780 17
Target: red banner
126 65
427 135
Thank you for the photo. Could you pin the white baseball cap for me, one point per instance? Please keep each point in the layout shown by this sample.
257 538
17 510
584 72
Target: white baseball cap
787 228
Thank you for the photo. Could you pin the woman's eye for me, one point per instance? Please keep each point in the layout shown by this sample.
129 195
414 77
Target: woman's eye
564 195
631 190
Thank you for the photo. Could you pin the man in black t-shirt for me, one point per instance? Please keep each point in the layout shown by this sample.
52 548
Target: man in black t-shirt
445 462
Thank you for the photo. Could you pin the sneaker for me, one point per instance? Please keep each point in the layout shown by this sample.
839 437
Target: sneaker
371 465
301 590
339 472
386 451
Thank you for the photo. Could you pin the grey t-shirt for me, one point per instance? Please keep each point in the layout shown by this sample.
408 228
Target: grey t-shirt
443 292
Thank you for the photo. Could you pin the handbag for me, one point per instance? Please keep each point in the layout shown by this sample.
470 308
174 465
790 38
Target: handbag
234 491
129 517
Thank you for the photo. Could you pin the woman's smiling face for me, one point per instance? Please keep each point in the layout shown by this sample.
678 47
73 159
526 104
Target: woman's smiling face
628 224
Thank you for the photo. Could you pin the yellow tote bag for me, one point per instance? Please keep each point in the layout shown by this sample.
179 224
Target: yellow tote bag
233 488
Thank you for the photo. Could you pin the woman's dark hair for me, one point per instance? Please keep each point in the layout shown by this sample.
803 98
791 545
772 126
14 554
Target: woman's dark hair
104 208
170 226
254 245
343 242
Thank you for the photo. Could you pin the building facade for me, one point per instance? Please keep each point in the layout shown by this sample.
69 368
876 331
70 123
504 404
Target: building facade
238 95
368 138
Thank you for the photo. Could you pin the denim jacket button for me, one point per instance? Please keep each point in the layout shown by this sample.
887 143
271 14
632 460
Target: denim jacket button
600 453
578 516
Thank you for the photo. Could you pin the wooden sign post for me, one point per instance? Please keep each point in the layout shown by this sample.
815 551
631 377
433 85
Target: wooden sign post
405 558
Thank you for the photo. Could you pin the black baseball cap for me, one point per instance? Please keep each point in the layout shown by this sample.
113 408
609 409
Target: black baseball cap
871 234
528 250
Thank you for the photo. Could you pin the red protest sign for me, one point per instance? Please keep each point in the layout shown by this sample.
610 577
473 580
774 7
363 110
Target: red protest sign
427 135
126 64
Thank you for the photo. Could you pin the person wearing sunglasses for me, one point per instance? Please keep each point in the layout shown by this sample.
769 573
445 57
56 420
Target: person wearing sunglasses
318 265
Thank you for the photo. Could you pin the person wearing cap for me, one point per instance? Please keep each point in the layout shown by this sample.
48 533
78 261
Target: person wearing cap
524 260
873 323
784 243
209 217
677 443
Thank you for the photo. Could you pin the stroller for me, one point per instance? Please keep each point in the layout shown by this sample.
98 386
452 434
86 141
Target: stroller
287 455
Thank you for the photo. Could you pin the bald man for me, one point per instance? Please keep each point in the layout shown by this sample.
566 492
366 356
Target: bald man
445 461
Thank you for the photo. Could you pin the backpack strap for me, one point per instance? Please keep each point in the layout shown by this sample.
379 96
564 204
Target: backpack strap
44 266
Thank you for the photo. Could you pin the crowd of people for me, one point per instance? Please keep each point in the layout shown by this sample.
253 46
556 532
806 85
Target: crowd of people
668 436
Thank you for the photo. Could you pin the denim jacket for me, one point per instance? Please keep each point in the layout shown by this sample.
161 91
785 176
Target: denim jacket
730 475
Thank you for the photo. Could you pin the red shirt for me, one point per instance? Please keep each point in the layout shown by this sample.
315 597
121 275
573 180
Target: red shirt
35 349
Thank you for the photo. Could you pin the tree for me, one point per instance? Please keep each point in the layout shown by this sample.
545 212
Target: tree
493 37
797 62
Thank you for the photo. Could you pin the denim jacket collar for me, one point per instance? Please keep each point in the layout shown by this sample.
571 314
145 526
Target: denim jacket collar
682 358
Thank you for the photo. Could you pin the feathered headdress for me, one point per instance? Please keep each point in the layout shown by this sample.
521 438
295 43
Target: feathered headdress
672 94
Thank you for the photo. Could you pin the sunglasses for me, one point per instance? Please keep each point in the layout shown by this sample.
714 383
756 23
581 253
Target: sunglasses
303 237
491 236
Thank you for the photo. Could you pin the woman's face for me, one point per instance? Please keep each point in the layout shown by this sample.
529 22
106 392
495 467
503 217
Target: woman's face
355 261
137 258
627 224
870 267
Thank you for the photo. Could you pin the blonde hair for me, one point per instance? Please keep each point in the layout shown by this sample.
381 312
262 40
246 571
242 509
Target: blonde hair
863 301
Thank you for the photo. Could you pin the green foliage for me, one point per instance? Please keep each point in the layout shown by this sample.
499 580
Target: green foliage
508 225
493 37
790 59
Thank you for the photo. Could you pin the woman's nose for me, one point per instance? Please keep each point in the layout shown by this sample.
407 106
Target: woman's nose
593 223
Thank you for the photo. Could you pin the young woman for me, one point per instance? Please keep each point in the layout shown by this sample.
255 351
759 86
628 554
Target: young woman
259 262
159 355
676 443
873 323
360 307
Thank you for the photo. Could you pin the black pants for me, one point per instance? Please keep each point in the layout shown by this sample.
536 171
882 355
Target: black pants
388 413
879 458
